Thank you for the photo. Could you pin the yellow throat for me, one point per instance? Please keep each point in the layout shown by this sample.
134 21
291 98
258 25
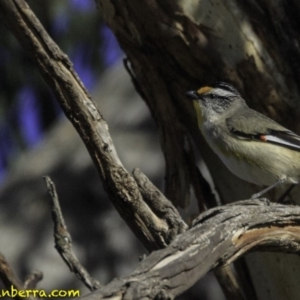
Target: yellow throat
198 113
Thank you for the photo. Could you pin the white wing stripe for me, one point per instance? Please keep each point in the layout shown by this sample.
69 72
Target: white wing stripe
274 139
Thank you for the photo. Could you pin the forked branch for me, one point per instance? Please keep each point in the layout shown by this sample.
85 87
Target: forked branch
57 70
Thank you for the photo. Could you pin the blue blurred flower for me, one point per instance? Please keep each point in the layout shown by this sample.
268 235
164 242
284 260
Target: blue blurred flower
29 116
110 49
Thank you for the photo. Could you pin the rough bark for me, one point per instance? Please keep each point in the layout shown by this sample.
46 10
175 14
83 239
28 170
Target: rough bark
78 106
218 237
172 47
178 45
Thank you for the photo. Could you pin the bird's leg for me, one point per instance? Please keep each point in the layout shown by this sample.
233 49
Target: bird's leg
257 195
282 197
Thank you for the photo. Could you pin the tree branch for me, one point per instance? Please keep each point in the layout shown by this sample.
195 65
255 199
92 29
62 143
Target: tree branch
217 238
63 240
10 279
58 72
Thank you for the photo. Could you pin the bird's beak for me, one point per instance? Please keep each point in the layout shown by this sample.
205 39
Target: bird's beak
193 94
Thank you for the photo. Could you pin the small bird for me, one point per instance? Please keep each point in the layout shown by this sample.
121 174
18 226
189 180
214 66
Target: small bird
252 146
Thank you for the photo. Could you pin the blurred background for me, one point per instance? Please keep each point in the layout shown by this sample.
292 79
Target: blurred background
36 139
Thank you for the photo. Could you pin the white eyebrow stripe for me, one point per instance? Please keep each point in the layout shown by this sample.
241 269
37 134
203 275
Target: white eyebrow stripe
222 92
274 139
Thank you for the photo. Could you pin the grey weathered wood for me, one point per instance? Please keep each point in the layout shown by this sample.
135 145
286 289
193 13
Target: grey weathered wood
218 236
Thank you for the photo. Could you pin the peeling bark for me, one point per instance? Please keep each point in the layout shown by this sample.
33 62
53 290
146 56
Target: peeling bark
171 47
217 238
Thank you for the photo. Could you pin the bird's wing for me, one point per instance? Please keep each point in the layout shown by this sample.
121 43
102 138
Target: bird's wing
255 126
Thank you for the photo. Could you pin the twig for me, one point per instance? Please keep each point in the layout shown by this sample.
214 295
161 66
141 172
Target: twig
33 279
162 207
10 279
7 275
63 241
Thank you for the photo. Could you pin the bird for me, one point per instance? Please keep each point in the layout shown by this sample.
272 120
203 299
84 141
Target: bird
252 146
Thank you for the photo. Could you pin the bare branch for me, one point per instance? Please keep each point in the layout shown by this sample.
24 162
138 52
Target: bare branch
10 279
63 240
218 237
160 205
7 274
58 72
33 279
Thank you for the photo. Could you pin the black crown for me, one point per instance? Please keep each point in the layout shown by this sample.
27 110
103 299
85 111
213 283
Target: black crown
226 86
